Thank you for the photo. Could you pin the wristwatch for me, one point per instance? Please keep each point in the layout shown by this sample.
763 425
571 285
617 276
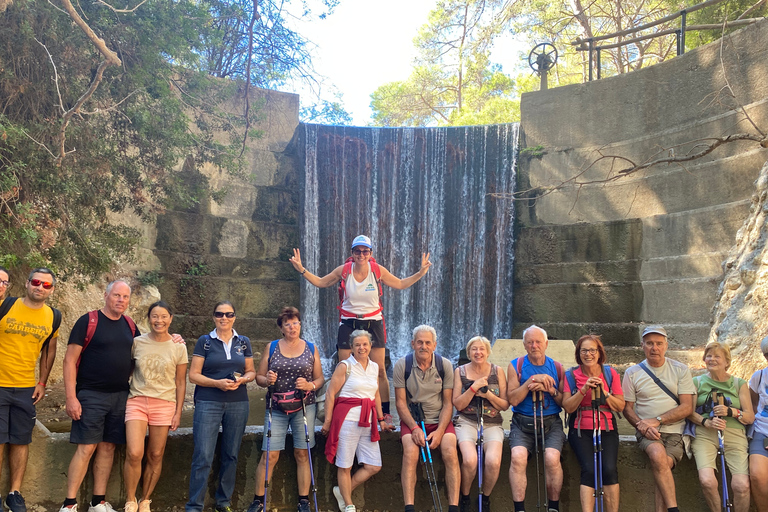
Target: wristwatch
658 418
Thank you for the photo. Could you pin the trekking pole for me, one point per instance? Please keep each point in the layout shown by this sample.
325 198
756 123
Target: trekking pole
727 505
597 446
595 468
302 395
432 479
418 415
480 454
535 398
270 390
543 448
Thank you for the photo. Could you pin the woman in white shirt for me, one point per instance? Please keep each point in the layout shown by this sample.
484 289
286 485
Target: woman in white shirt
352 411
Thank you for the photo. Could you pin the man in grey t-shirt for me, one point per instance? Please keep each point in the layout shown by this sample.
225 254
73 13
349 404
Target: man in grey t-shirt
659 395
433 390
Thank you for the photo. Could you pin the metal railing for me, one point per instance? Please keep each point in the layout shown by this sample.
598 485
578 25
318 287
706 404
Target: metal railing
588 44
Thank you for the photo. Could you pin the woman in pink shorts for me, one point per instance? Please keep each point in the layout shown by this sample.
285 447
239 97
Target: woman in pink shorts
157 392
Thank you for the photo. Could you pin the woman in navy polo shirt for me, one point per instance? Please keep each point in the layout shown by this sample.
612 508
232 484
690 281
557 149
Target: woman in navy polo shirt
222 364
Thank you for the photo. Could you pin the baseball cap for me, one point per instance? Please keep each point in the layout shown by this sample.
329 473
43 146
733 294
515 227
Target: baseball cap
362 240
764 345
654 329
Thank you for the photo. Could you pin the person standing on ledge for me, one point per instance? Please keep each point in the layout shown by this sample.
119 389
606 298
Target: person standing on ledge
360 280
659 394
29 330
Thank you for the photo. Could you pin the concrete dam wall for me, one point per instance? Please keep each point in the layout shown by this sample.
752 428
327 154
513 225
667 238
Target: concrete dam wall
603 255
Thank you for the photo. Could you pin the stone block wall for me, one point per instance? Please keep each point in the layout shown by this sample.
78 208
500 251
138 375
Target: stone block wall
608 257
236 249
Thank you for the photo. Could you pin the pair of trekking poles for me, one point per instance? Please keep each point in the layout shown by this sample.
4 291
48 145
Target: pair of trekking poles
426 456
301 396
540 448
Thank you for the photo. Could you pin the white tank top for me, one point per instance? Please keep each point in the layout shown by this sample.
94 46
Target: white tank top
361 298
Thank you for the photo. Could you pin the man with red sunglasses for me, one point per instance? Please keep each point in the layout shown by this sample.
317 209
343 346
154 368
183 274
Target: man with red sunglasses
29 329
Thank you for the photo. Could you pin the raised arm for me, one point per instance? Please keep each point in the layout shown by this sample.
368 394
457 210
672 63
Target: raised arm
401 284
321 282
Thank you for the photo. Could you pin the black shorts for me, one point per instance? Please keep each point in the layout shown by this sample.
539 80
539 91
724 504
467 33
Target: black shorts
584 449
374 327
17 415
102 418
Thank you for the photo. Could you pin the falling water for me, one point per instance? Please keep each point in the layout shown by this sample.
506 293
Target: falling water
414 190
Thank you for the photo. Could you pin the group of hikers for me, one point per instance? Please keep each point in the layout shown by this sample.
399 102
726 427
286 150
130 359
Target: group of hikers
123 387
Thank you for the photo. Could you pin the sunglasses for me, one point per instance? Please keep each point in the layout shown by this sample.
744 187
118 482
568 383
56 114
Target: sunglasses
222 314
358 252
37 282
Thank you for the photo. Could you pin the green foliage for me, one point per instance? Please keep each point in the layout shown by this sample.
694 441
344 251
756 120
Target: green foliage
150 278
155 111
533 151
728 10
453 81
199 268
326 112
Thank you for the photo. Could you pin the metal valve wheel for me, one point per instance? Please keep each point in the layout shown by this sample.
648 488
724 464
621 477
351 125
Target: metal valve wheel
543 57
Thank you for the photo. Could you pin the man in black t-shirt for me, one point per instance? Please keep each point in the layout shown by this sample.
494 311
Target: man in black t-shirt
96 385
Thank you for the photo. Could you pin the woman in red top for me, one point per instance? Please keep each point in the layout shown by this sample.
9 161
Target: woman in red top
588 376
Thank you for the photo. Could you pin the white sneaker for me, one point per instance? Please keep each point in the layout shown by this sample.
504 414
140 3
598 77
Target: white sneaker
350 508
104 506
339 499
71 508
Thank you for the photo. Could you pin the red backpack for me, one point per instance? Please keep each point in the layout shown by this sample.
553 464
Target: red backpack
343 288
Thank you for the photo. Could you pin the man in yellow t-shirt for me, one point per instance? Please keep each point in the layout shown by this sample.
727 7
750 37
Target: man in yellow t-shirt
28 330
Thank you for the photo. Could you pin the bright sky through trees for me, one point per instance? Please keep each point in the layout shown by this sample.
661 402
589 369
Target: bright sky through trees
367 43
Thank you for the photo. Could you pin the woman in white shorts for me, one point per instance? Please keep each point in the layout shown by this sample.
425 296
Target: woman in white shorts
479 385
352 412
155 400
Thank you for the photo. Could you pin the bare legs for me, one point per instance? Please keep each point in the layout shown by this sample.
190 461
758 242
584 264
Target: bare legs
411 456
758 474
349 482
302 467
158 436
710 488
491 465
587 498
102 467
661 465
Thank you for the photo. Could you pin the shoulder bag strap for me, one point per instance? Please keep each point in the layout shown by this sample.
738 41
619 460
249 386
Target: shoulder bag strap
659 383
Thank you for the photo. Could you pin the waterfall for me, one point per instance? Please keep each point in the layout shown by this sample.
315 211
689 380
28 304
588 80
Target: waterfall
413 190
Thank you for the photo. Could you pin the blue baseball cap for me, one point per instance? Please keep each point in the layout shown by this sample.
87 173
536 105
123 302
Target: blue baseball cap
362 240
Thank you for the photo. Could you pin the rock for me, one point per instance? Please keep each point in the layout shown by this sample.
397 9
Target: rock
741 312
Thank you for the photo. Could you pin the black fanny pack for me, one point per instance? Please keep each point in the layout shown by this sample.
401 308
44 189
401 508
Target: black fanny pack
528 424
287 402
